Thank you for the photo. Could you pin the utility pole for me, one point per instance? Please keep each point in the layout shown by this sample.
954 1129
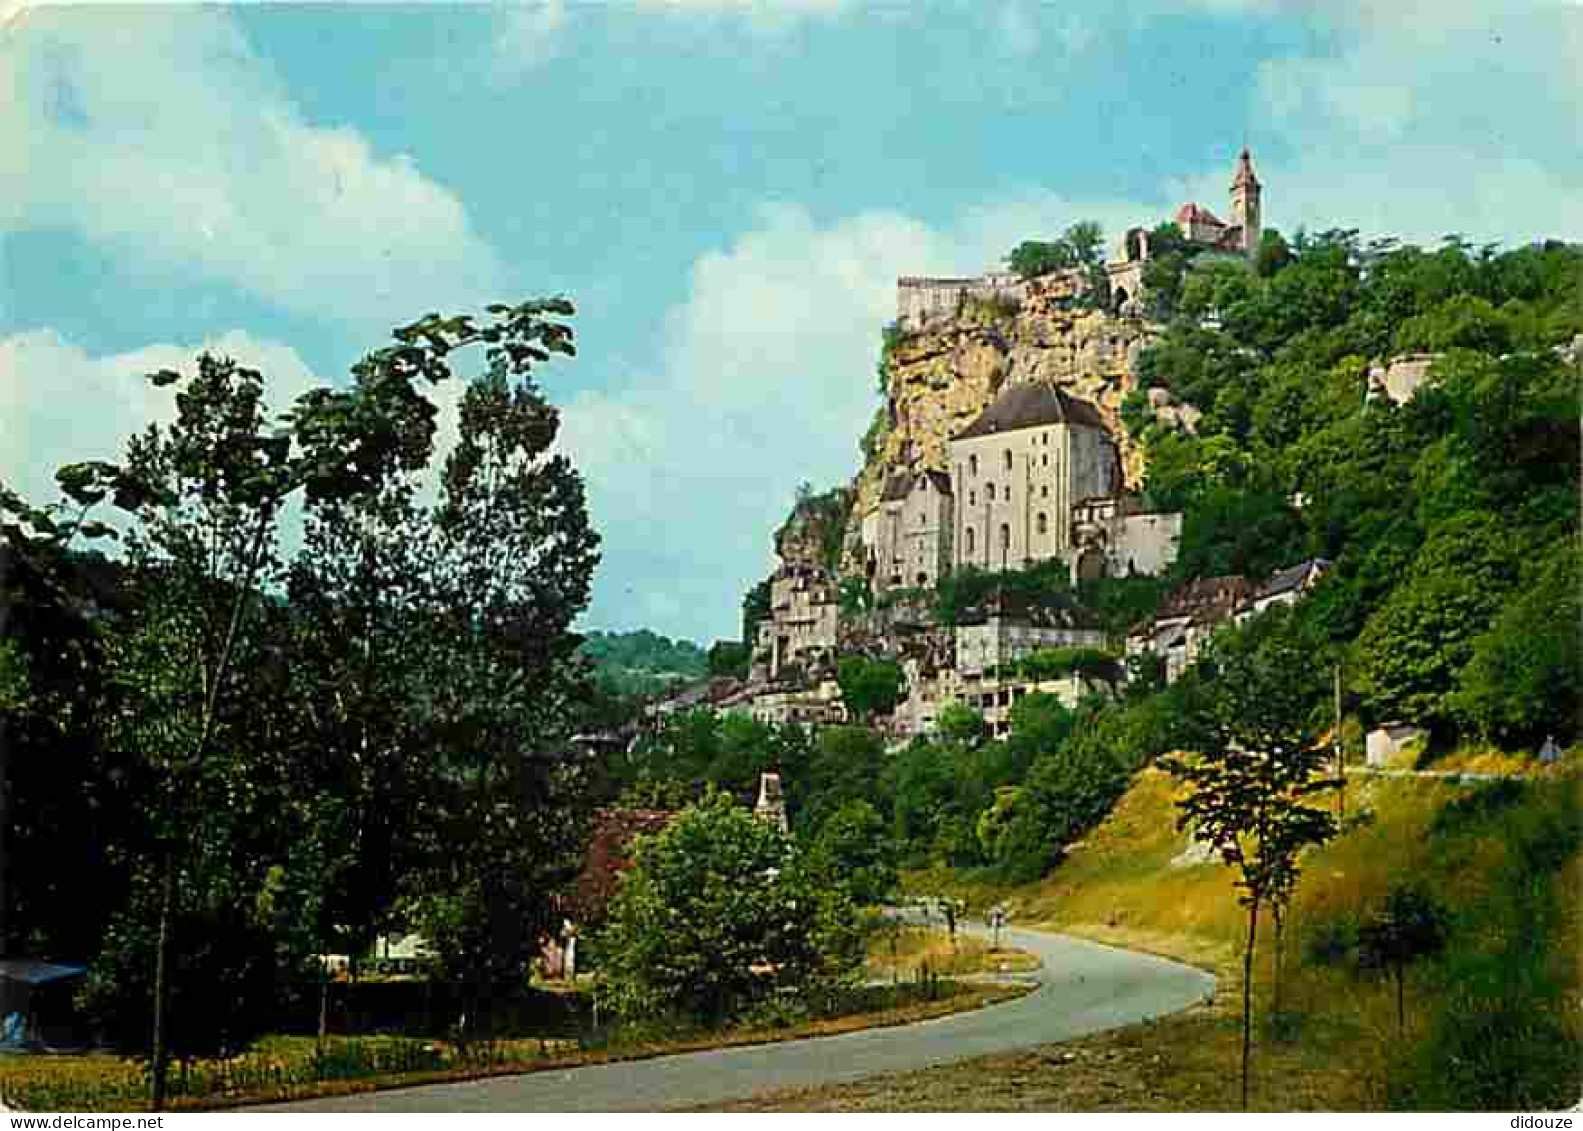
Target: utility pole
1341 764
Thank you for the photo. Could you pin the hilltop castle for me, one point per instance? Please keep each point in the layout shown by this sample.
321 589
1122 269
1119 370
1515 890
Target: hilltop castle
1198 226
922 299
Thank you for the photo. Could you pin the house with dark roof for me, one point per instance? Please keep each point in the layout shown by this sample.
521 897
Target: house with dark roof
1285 587
1008 627
1018 469
1186 619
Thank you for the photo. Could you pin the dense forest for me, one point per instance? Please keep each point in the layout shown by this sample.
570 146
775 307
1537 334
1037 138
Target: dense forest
641 662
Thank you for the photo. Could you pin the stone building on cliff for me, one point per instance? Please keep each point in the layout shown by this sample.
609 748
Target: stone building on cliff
1198 226
910 536
1018 469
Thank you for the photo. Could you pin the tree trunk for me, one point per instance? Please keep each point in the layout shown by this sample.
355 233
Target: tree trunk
1280 955
1247 998
1401 1000
158 1055
324 1010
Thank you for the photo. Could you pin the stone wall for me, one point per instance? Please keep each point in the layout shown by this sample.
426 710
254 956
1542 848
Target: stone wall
921 299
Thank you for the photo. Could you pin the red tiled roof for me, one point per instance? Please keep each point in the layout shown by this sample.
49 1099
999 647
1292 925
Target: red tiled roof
609 854
1191 211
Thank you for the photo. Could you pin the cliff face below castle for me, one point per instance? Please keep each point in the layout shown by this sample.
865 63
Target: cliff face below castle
939 377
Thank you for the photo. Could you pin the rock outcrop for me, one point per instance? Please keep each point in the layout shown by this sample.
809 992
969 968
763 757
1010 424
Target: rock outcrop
939 378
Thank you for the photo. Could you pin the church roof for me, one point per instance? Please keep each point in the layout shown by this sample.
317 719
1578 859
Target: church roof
1190 212
1029 406
901 484
897 487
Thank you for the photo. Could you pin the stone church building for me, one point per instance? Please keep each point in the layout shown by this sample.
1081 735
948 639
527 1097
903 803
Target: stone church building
1019 469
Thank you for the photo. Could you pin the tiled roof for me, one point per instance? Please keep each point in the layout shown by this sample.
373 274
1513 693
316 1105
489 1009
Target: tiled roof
941 481
897 487
1030 406
1288 579
1191 211
610 854
1204 594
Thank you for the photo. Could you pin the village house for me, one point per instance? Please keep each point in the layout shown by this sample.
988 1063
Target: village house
1017 470
1113 536
820 705
1007 628
910 539
1286 587
804 615
1186 619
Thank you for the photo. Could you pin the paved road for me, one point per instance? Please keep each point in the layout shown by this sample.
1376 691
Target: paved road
1084 988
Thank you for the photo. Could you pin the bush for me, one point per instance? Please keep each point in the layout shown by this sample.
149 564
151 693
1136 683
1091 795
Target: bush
1332 942
717 913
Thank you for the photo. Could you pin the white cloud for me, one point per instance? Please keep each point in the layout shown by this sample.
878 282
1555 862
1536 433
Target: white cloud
1459 120
766 378
528 32
161 134
526 35
59 404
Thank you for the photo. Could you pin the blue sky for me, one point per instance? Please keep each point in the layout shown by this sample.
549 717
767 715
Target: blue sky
726 190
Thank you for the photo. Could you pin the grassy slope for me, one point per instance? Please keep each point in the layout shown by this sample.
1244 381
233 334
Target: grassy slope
1510 874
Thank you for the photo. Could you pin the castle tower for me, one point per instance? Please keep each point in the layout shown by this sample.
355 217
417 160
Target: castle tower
1245 212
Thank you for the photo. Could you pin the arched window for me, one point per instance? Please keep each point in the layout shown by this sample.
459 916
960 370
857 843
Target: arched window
1046 459
1044 491
972 498
1005 542
1041 523
972 466
1008 459
989 491
970 541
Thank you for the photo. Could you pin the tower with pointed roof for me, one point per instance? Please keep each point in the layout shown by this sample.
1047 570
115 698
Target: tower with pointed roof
1245 211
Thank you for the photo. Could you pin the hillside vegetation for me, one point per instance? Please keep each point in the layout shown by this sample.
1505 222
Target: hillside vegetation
1491 1023
642 662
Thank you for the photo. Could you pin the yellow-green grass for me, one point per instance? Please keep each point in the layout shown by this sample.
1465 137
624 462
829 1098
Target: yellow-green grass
907 950
1120 886
281 1068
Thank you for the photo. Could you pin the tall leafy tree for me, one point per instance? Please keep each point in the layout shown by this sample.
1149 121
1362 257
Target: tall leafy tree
1251 780
511 560
205 498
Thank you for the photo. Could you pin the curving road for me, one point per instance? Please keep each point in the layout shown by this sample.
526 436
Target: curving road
1083 988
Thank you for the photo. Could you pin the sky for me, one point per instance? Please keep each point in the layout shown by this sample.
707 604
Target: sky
726 190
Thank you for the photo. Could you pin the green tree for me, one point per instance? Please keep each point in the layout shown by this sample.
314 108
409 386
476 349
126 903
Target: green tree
1413 648
960 724
869 687
853 849
511 563
729 658
1033 258
716 913
1408 926
1521 682
1251 779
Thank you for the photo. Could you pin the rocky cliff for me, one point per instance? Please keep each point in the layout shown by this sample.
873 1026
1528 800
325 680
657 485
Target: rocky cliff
938 378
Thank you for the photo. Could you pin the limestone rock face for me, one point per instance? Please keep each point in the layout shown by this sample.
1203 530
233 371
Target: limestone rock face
939 378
